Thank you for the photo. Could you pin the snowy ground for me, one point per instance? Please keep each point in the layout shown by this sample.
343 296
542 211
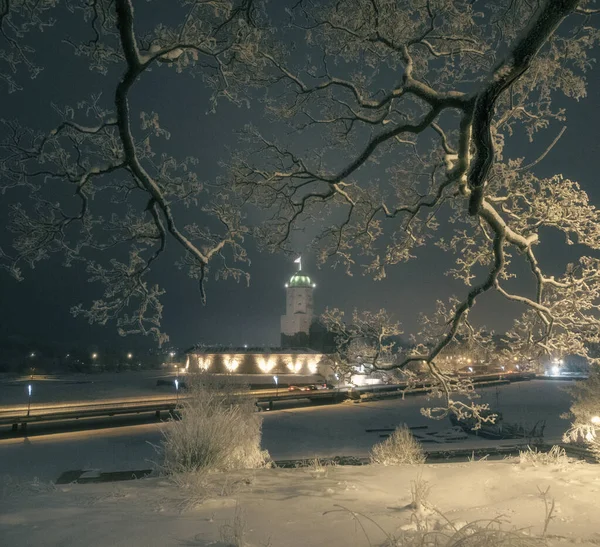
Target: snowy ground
302 507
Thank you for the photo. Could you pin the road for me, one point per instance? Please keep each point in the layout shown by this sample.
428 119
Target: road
295 433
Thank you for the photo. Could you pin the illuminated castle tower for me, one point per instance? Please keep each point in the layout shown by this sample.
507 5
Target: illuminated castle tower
295 324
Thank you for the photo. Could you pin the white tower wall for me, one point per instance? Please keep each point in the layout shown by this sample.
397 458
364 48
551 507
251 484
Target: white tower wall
299 310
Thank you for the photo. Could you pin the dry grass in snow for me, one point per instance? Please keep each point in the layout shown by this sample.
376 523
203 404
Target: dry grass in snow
555 456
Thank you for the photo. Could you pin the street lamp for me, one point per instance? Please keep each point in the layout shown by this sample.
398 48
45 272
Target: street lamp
29 399
129 355
177 390
276 380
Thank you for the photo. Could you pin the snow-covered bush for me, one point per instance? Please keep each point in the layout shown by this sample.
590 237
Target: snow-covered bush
400 447
218 429
585 412
555 456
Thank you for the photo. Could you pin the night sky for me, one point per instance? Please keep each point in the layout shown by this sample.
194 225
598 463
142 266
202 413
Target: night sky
37 309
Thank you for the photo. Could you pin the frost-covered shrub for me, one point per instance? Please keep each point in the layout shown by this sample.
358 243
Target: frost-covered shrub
218 429
400 447
585 412
555 456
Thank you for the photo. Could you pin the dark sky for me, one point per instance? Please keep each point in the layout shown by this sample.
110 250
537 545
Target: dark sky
37 309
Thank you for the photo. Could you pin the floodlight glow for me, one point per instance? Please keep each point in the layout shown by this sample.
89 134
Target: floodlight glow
204 363
556 371
295 367
312 366
595 420
231 363
266 365
29 389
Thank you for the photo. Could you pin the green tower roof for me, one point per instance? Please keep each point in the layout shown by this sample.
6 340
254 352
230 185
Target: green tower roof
300 279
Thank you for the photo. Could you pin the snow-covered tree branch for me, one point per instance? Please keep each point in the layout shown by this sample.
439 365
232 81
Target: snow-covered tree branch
432 92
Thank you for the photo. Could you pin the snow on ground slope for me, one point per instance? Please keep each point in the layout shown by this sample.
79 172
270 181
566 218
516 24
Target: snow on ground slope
301 507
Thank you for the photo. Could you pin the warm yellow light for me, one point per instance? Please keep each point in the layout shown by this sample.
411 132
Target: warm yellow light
266 365
204 362
295 367
129 355
595 420
312 366
94 355
231 363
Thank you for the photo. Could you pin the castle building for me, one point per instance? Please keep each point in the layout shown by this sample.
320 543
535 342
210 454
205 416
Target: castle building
296 323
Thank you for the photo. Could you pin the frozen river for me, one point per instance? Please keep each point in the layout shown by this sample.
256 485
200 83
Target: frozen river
292 433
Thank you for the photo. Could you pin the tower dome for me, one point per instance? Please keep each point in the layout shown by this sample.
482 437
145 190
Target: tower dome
300 279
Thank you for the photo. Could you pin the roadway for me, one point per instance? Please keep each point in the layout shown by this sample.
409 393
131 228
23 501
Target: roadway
289 433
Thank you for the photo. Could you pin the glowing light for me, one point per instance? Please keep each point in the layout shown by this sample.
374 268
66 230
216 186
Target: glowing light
29 389
314 285
470 369
32 354
129 355
231 363
204 363
312 366
94 355
172 353
295 367
595 420
276 380
176 384
556 371
266 365
286 285
515 359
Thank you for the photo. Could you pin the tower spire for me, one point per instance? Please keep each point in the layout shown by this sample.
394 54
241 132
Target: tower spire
299 262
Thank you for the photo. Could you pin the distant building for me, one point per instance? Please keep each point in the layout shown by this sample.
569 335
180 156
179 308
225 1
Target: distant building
298 318
256 360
